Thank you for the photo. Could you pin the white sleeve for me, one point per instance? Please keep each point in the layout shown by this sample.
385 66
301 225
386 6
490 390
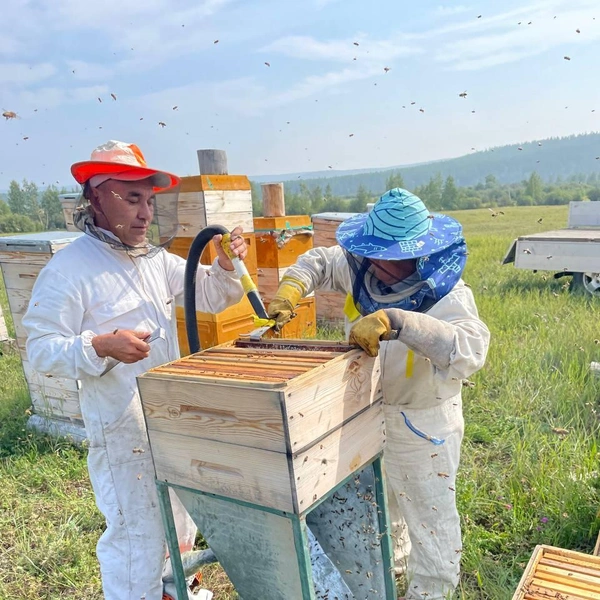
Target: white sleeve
322 268
53 321
216 288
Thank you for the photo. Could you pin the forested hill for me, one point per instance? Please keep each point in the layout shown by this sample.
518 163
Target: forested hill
553 159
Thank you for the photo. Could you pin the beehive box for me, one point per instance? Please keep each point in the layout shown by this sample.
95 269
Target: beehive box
214 329
21 259
69 203
214 200
277 423
560 574
269 229
330 305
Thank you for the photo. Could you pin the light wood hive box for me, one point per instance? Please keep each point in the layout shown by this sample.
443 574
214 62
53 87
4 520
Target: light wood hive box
277 424
330 305
214 200
560 574
21 260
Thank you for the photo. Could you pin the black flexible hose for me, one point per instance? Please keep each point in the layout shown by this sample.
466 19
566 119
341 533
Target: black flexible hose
189 283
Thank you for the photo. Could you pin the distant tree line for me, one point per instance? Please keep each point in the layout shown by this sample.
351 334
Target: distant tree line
553 158
27 209
441 194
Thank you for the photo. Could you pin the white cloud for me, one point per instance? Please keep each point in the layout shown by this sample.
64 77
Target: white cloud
309 48
21 74
512 42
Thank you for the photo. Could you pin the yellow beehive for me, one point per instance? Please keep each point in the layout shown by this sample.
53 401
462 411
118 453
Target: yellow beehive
277 423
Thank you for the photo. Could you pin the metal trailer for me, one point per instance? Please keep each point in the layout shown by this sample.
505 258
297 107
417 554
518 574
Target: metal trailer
574 251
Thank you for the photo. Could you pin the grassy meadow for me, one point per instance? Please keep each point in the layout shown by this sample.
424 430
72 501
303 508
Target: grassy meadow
529 474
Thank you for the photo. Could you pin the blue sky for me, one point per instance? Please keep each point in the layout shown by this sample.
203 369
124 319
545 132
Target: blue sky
326 99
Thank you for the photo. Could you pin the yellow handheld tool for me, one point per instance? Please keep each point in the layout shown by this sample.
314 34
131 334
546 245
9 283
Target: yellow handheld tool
262 321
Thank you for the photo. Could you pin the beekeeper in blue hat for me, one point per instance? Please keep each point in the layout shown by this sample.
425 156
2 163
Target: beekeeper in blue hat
400 267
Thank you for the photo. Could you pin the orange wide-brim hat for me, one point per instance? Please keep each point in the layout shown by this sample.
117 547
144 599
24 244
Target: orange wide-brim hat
123 162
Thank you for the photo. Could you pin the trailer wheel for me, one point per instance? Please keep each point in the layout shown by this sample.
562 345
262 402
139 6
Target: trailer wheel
588 283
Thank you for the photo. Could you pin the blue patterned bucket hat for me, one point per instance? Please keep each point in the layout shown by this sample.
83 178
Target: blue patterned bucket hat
398 228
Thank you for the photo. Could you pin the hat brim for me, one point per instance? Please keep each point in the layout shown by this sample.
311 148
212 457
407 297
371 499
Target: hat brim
161 180
443 232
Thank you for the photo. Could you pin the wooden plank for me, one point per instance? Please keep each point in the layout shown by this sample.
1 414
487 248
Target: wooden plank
20 276
555 588
527 573
219 202
26 258
191 226
321 467
204 410
257 549
584 214
553 571
50 382
18 300
199 183
324 398
570 577
52 406
20 332
249 474
3 328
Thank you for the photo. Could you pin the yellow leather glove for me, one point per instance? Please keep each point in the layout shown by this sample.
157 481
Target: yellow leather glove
281 308
367 332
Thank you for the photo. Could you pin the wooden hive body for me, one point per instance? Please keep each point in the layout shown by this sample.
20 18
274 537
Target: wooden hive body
561 574
21 260
215 200
276 424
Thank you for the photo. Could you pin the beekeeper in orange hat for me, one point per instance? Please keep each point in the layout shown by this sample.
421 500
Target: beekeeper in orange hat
95 303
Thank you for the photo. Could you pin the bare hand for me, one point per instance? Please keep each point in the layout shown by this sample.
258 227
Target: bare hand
237 246
124 345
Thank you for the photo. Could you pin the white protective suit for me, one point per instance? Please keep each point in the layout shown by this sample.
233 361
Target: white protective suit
88 288
423 393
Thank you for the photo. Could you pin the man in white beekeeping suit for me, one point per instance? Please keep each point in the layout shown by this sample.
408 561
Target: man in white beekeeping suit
400 267
95 303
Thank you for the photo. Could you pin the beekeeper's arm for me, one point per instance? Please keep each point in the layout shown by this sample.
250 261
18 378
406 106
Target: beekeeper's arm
217 286
456 343
320 268
55 342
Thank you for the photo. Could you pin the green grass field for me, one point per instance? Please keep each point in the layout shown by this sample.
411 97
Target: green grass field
529 474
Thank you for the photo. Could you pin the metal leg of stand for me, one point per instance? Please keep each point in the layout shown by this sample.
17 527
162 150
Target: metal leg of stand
172 541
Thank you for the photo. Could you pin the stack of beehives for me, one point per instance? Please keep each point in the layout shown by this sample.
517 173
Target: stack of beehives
330 305
210 200
280 240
